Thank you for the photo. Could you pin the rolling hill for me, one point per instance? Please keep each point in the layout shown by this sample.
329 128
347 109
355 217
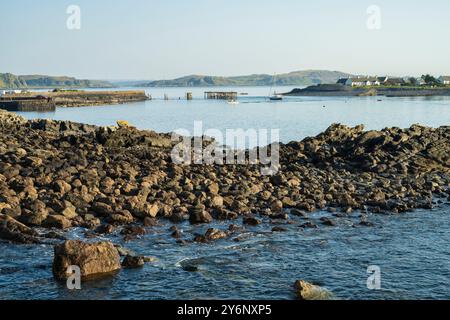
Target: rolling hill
11 81
300 78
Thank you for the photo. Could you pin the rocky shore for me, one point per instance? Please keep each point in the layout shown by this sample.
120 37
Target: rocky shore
55 175
339 90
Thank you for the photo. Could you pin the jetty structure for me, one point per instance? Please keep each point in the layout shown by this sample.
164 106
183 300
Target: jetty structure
48 101
37 103
221 95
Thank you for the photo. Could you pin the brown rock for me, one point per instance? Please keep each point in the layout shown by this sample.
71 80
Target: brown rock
251 221
93 259
197 214
215 234
133 262
308 291
57 221
276 206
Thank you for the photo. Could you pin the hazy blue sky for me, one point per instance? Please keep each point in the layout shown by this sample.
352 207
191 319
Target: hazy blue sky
156 39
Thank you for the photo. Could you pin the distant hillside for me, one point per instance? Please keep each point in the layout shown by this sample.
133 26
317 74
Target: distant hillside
297 78
11 81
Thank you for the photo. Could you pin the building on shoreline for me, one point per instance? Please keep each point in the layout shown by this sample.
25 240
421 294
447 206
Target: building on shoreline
359 81
444 80
371 81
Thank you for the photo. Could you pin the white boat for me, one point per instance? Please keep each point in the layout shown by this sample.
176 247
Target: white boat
274 96
233 102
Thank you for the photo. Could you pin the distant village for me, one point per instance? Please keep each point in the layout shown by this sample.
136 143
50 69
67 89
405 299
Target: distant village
389 81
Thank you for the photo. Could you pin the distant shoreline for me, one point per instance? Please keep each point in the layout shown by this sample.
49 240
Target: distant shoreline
336 90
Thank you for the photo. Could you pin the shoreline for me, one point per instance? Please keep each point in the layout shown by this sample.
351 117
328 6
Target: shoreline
336 90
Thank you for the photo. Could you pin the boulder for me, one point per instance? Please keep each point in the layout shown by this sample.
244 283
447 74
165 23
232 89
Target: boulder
197 214
308 291
57 221
93 259
251 221
13 230
133 262
215 234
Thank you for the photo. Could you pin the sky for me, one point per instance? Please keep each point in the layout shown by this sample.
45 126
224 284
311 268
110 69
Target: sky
160 39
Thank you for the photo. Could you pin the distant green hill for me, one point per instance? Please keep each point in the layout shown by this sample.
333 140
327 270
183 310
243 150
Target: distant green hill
297 78
11 81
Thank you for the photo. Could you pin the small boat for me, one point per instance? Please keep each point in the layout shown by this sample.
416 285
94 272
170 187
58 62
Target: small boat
276 97
233 102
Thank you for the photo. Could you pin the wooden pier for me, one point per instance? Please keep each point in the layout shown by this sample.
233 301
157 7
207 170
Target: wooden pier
221 95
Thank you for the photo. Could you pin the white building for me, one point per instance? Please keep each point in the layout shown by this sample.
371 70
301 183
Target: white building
2 92
360 81
444 80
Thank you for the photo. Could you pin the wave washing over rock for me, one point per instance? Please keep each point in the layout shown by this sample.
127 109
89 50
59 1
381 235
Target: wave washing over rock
55 175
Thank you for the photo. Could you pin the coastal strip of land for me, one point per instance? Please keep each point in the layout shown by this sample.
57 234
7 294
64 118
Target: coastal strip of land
339 90
48 101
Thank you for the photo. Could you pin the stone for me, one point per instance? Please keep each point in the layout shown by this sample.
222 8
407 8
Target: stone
308 291
62 187
121 217
328 222
133 262
276 206
36 216
215 234
150 222
93 259
123 123
217 201
57 221
197 214
251 221
105 229
213 188
69 212
278 229
13 230
151 210
102 209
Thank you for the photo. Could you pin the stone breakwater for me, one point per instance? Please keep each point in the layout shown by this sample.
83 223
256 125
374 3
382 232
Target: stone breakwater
58 175
47 101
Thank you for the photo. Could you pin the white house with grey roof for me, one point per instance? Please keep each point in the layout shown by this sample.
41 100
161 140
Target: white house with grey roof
444 80
370 81
359 81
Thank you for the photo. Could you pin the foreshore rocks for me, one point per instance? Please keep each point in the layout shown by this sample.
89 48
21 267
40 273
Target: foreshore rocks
59 174
93 259
308 291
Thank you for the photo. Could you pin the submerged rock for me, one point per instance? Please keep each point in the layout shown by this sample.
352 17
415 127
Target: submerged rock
133 262
215 234
93 259
308 291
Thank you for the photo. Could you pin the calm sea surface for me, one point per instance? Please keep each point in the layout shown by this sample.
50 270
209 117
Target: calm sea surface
295 117
412 249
